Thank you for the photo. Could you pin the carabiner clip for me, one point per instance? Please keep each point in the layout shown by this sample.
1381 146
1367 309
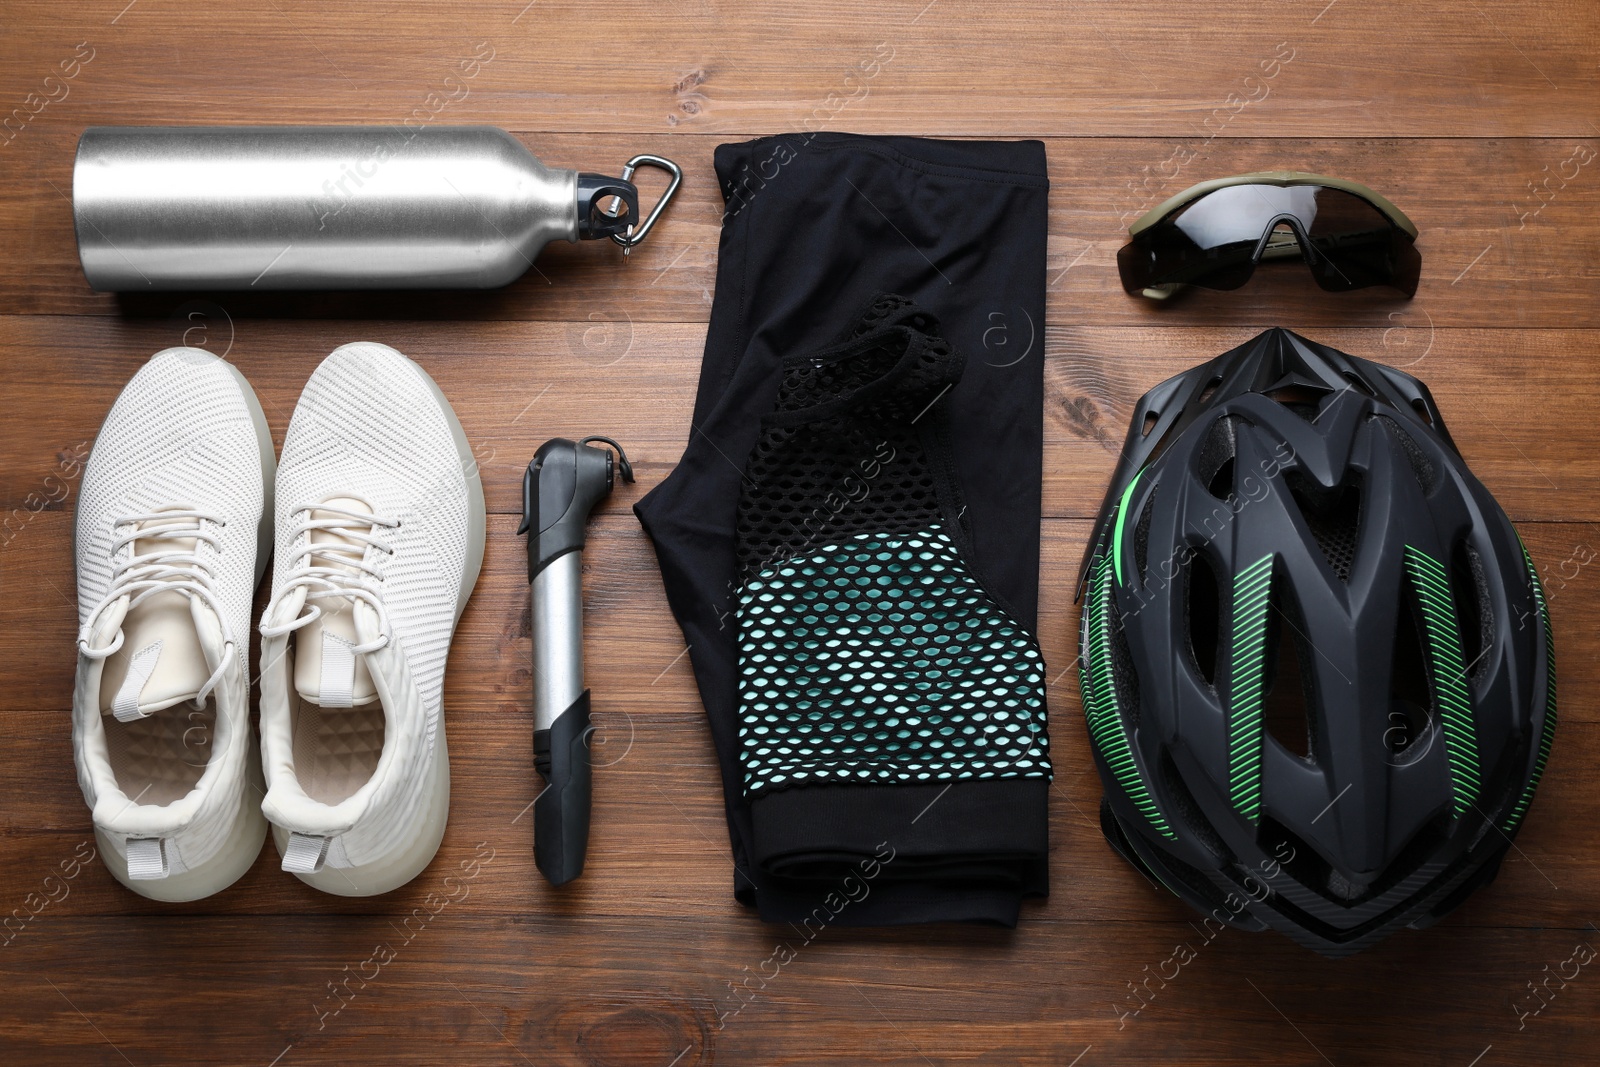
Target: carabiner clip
634 236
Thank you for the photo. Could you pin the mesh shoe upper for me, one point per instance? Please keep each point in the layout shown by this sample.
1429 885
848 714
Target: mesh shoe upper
180 440
369 428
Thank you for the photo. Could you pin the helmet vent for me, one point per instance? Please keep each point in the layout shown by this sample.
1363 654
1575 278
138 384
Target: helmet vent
1359 385
1204 616
1124 678
1410 695
1221 483
1286 712
1333 516
1141 537
1303 400
1150 420
1421 465
1217 452
1211 387
1182 803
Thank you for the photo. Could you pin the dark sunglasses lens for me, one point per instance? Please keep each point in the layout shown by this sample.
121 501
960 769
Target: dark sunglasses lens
1354 245
1164 255
1407 263
1210 242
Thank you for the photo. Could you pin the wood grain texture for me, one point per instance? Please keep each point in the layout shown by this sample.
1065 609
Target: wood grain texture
1467 115
1516 400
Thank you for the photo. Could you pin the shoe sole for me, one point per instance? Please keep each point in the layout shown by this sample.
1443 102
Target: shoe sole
249 829
372 879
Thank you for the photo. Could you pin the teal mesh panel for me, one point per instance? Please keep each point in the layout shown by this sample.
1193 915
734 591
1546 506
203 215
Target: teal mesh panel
880 658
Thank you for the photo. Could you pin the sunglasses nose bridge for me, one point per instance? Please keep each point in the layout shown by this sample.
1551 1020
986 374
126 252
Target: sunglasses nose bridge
1301 245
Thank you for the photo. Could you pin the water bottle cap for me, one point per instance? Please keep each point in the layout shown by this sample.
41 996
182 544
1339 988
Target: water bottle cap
601 202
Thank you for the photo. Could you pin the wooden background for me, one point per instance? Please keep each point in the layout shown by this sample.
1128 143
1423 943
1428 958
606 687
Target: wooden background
1478 118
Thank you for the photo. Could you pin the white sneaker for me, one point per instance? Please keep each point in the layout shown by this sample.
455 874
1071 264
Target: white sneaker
380 534
170 544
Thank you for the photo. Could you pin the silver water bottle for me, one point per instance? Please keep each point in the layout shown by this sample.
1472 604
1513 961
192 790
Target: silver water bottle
332 207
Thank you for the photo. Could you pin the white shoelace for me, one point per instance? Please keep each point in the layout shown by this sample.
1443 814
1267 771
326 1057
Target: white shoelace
334 568
176 570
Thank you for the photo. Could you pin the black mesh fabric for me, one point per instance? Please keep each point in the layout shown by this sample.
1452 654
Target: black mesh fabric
840 453
1421 465
1333 517
869 651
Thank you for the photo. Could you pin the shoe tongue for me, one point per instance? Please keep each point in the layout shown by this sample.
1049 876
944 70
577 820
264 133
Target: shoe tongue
171 644
327 672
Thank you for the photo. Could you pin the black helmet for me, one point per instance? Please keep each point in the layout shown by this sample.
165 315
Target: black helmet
1316 663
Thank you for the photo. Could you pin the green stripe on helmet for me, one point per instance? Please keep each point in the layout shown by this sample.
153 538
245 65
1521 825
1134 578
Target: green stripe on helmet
1116 531
1547 735
1449 672
1252 601
1100 706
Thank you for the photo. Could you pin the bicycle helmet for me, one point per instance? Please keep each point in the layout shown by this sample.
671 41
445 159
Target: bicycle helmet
1316 663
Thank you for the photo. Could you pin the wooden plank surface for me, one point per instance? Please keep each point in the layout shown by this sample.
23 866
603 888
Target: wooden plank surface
1461 113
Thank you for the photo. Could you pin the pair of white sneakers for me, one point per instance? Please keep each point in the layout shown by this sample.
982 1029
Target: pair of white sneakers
377 537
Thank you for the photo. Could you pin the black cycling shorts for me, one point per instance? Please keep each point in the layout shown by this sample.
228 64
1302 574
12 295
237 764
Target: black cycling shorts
851 539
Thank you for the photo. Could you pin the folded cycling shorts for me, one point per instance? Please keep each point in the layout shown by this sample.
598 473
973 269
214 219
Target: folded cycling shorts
850 542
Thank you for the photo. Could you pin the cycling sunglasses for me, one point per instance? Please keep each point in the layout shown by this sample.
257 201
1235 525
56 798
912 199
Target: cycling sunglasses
1214 234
